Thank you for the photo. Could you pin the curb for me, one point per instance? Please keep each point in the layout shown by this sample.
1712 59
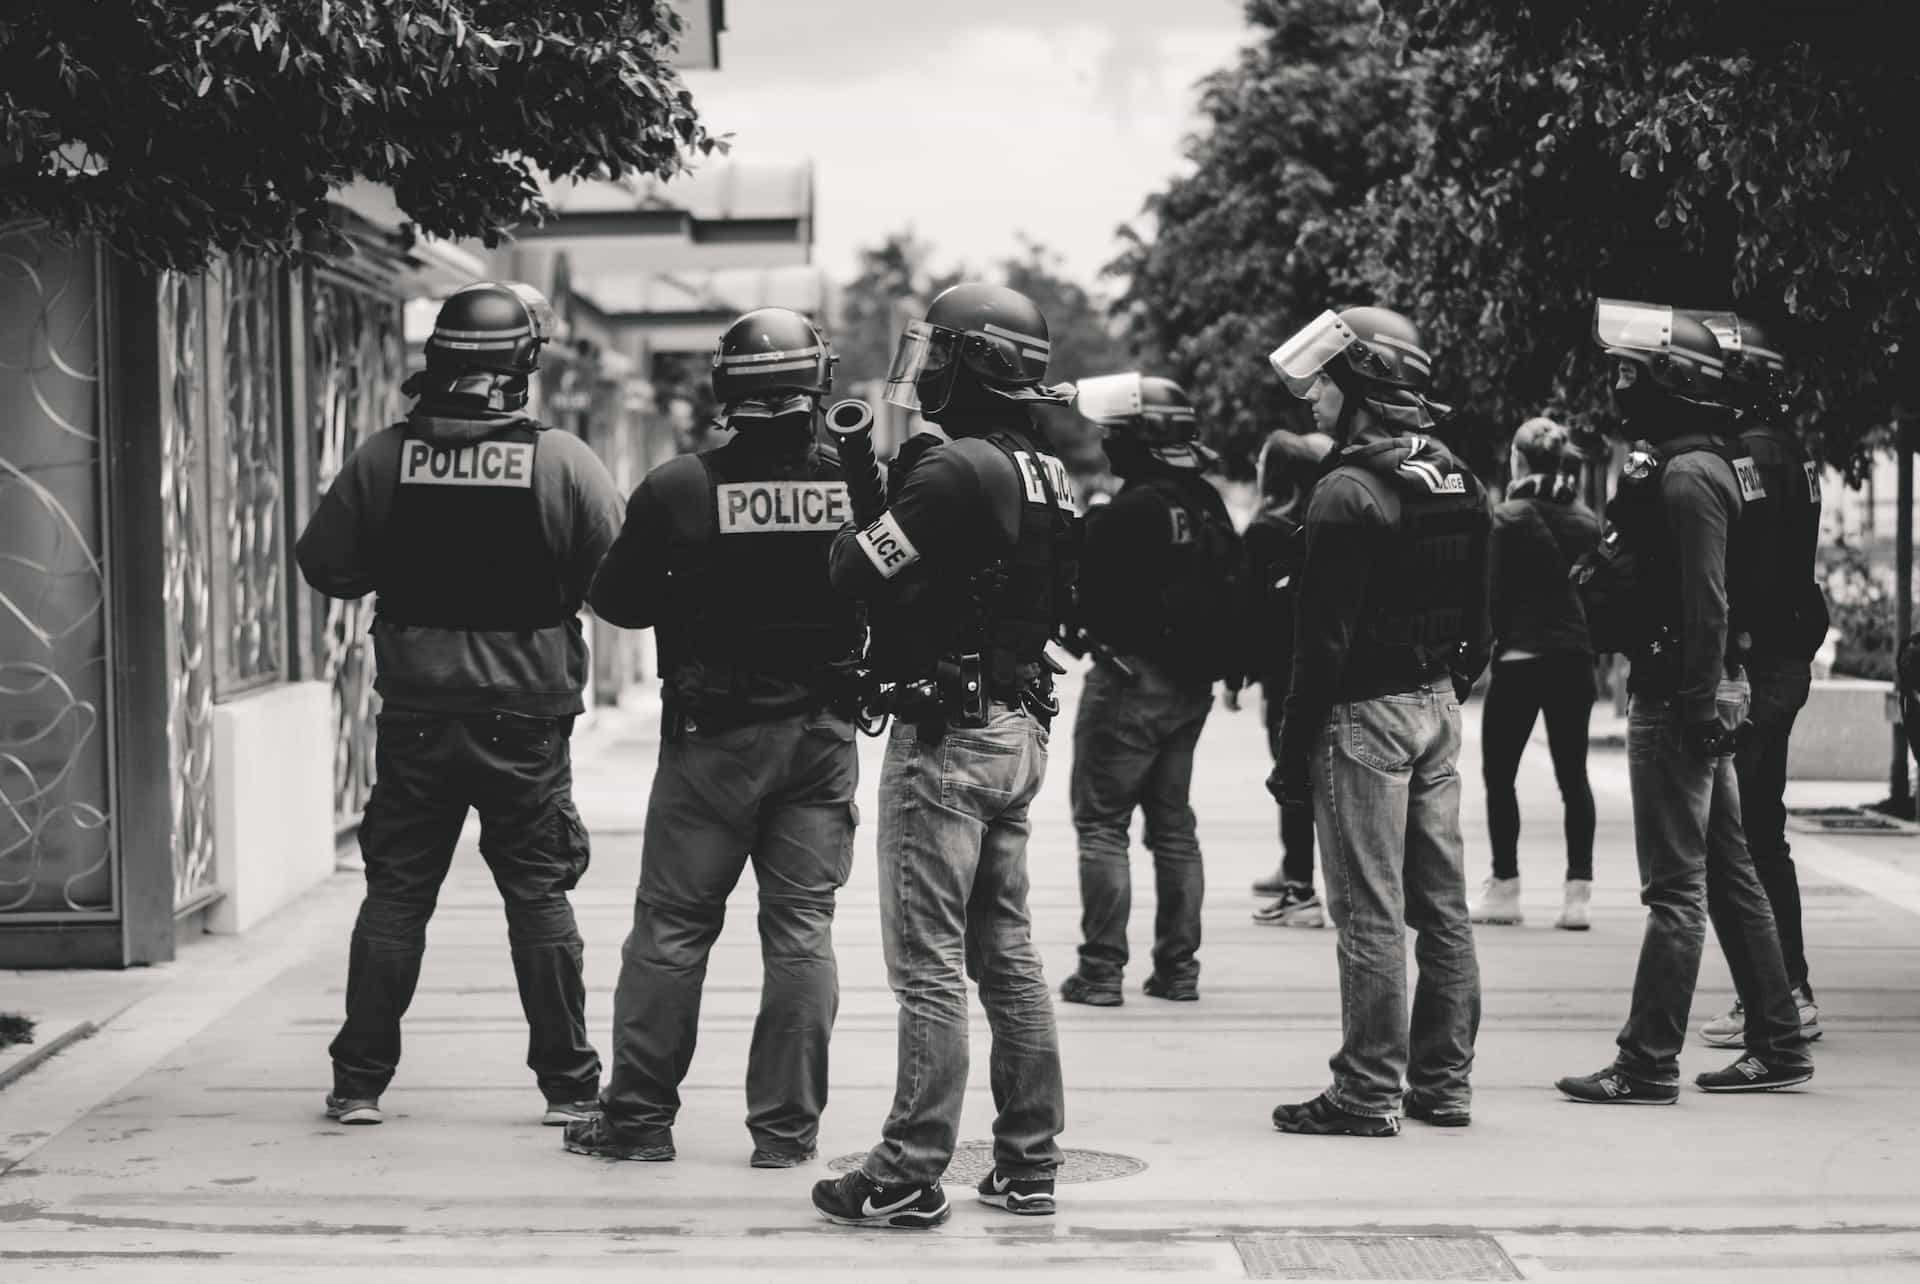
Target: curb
27 1064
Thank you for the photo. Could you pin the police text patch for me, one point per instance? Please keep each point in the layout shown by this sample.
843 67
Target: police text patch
756 508
887 546
1036 471
1813 480
1751 487
485 463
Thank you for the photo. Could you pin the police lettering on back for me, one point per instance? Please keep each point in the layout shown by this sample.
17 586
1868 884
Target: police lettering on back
752 508
486 463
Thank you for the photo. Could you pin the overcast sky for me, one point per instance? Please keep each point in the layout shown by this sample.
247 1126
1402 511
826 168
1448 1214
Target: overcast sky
971 121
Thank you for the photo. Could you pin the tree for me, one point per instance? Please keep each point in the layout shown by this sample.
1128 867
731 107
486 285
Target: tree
174 131
1247 247
1082 343
1701 152
893 274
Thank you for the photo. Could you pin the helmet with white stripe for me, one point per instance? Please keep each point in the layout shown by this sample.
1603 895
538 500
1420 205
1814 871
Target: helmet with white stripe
1676 352
976 335
1374 352
771 360
486 341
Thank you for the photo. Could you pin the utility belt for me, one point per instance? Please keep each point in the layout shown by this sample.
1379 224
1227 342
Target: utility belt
692 705
960 693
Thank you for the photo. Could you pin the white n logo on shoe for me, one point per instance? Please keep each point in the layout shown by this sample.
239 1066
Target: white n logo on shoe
1752 1067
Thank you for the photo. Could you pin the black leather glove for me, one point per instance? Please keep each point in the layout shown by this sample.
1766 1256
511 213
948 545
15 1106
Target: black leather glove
1708 738
1462 686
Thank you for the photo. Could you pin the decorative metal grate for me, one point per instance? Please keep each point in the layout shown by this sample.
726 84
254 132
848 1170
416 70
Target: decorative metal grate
356 361
187 586
973 1160
56 840
1847 820
250 604
1374 1257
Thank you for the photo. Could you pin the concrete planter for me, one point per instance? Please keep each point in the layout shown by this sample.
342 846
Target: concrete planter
1843 733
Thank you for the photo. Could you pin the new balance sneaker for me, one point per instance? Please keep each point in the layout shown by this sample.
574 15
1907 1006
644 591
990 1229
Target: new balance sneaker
1320 1117
1435 1115
859 1200
1612 1087
1298 906
1573 906
1730 1031
603 1139
769 1157
1751 1074
1027 1196
1497 902
353 1110
1182 991
561 1113
1078 989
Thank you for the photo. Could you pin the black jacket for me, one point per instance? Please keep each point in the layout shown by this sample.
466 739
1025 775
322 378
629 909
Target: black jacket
1535 541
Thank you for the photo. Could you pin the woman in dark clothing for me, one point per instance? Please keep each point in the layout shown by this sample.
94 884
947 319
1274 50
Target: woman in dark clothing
1543 663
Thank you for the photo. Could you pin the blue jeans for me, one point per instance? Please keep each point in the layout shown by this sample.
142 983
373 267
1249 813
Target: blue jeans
1694 866
1387 800
778 795
1133 747
1780 690
953 905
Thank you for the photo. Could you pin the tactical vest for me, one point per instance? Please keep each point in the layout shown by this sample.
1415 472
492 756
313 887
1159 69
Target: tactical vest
1630 585
1783 610
1005 613
464 547
1419 598
1190 625
751 596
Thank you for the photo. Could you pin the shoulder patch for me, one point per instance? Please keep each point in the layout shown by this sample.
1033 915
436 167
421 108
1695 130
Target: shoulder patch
887 546
506 464
1748 473
1037 470
768 507
1182 524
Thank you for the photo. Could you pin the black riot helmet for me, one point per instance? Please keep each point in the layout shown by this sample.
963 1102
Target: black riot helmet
771 362
978 343
1756 371
1373 354
1147 413
1674 352
485 343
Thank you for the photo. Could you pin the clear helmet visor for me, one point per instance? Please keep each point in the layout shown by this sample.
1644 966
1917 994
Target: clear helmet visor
1300 359
545 321
927 356
1108 397
1632 327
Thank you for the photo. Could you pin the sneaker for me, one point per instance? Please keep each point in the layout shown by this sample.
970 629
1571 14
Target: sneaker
768 1157
1573 908
1436 1116
1078 989
1730 1031
353 1110
1027 1196
1611 1087
1298 906
1182 991
1751 1074
1497 902
561 1113
1320 1117
859 1200
602 1138
1272 885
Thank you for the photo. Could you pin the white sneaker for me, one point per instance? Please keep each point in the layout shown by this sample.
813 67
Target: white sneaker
1730 1031
1573 910
1497 901
1809 1015
1298 906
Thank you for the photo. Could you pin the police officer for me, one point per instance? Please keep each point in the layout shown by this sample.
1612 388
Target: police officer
1657 591
724 553
1390 634
1160 587
1274 543
479 529
968 573
1782 620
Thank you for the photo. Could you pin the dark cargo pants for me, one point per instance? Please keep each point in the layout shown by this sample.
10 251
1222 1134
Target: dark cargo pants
518 773
779 794
1780 690
1133 746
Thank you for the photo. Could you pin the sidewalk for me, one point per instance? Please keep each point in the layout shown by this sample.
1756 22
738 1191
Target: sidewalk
184 1140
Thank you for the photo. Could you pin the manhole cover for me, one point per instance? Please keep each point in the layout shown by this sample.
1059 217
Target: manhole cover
1374 1257
973 1160
1846 820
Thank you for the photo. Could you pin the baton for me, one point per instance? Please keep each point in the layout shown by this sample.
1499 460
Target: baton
851 423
